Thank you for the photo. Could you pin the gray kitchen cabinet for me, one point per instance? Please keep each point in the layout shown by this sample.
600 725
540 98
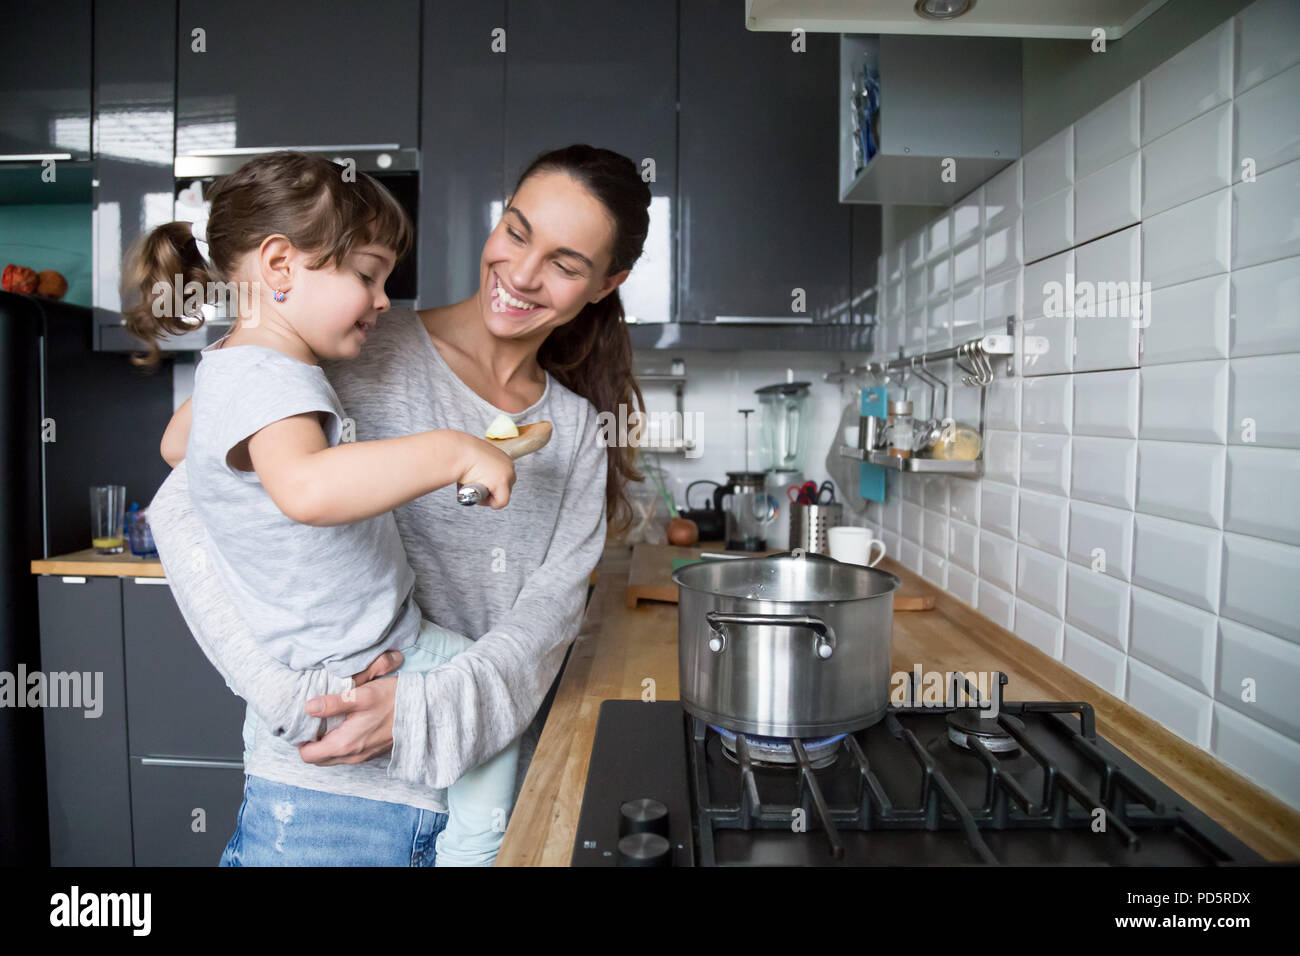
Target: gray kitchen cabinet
135 122
584 71
333 73
178 705
86 770
184 811
45 78
461 145
758 173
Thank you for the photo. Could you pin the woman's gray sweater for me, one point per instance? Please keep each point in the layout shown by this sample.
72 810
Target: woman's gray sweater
514 579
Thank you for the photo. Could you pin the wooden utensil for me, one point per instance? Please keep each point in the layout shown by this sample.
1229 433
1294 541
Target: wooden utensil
530 438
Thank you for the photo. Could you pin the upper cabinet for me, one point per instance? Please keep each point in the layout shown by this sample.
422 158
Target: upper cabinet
762 234
45 79
257 74
585 71
925 119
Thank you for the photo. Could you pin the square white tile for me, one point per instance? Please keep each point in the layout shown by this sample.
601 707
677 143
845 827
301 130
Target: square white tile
996 604
1267 120
1001 300
1049 167
999 508
1178 560
1098 604
912 521
1109 132
963 545
963 585
1185 402
1002 456
1108 199
1181 480
1175 705
1098 662
935 534
1259 584
1187 322
1266 757
1174 638
966 264
1266 217
938 233
1039 628
1188 241
1101 539
1106 403
1197 79
1187 162
1040 579
1258 675
1044 522
1267 41
939 276
1002 404
1002 196
1266 308
1049 225
967 216
1045 285
934 569
1045 463
1104 471
964 501
997 560
966 314
1264 393
1046 404
939 325
1263 496
910 554
1003 249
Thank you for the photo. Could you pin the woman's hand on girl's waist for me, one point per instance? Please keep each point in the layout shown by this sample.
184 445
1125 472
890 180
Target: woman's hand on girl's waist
367 728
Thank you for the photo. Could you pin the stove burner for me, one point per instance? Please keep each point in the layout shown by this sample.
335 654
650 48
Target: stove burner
778 751
968 722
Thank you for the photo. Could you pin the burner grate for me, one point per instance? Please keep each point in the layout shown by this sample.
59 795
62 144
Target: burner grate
1062 803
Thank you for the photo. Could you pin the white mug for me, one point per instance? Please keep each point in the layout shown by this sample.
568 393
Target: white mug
853 545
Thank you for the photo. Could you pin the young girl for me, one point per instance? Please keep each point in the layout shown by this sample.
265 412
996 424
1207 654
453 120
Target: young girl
299 525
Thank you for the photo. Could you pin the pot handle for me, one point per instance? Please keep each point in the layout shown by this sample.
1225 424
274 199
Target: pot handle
823 645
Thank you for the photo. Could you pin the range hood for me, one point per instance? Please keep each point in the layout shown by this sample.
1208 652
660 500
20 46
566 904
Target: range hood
1058 19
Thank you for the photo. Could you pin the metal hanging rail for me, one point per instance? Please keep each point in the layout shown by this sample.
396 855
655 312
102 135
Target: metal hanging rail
972 357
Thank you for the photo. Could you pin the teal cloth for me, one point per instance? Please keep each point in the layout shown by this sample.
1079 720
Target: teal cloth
871 478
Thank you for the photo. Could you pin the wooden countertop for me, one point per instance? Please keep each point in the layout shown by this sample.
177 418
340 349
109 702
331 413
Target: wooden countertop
89 564
619 650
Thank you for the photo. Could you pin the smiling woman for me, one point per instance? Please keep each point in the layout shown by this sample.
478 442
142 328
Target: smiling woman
543 336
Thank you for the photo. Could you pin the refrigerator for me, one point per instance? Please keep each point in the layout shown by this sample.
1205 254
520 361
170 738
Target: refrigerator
70 417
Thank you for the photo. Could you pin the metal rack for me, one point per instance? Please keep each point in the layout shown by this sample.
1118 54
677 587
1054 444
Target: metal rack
677 379
975 359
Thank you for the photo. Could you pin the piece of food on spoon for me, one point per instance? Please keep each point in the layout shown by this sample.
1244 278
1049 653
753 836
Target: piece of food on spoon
503 426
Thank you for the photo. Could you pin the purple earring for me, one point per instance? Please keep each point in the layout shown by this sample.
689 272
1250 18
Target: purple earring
278 295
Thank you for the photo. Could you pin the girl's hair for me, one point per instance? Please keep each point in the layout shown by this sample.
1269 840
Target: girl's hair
592 353
302 197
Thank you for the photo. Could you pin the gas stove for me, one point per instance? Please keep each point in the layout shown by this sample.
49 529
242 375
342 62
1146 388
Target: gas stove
1019 782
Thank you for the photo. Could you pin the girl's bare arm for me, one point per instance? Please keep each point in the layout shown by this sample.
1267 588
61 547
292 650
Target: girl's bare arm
320 485
177 436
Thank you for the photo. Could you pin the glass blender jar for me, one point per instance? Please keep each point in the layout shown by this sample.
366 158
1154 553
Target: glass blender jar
783 425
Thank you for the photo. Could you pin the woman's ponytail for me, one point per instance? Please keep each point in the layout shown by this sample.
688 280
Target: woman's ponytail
168 274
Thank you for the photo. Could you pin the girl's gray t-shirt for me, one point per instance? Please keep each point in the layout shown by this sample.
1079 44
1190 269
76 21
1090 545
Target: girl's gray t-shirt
335 597
514 580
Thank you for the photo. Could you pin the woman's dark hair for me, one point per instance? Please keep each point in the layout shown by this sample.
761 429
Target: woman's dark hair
302 197
592 354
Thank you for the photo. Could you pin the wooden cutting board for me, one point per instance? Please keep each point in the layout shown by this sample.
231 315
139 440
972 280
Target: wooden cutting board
651 575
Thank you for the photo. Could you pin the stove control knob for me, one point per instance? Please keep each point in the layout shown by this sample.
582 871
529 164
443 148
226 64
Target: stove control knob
643 816
644 849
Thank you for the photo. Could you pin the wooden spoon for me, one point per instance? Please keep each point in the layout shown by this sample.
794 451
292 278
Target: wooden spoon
530 438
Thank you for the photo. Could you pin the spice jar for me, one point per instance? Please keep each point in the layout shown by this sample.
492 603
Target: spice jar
898 429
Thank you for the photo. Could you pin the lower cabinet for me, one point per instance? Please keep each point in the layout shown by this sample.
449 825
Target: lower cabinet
183 811
152 774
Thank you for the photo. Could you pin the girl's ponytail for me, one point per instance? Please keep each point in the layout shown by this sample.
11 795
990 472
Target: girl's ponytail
159 267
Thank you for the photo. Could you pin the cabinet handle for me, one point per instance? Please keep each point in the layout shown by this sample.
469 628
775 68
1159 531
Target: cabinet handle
150 580
191 762
31 157
73 580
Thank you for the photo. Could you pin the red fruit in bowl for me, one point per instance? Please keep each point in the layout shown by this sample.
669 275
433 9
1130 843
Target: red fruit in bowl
18 279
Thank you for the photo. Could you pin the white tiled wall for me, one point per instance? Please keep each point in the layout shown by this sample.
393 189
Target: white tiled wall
1139 514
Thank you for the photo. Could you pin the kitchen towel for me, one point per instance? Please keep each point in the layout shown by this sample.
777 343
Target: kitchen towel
871 478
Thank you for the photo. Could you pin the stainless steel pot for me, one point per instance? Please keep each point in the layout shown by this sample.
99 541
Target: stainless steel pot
789 645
